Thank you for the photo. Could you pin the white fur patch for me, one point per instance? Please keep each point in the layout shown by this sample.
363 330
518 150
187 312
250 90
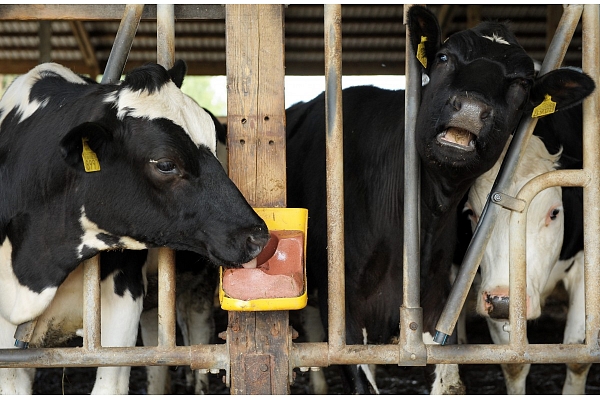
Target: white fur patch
20 303
90 238
17 94
367 368
497 39
171 103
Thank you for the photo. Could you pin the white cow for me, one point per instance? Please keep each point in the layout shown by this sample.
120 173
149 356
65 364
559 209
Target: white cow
545 232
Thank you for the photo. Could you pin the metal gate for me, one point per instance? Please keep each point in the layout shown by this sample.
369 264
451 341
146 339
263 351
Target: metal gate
260 355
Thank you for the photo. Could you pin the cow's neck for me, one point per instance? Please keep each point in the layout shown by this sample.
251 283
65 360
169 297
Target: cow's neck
441 194
440 197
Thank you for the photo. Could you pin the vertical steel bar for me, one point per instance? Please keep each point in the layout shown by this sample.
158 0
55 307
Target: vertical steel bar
166 297
412 180
483 231
591 164
91 303
122 44
412 348
335 175
165 47
165 34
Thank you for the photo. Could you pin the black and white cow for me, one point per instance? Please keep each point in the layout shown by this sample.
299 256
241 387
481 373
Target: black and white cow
481 82
159 184
554 243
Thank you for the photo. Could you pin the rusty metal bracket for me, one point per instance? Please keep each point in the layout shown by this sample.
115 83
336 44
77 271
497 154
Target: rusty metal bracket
508 202
24 333
413 352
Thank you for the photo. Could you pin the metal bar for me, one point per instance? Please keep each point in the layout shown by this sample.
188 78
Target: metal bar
518 245
165 47
122 45
165 34
91 303
103 12
315 354
215 356
166 298
483 231
412 348
204 356
335 175
591 164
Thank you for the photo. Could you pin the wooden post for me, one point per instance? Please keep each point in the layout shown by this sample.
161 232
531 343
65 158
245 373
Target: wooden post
257 341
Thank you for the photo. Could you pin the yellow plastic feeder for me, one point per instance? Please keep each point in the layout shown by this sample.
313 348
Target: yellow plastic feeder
279 280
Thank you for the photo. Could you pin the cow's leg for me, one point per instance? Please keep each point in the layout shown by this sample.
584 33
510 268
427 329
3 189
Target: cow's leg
13 380
515 375
361 377
314 332
120 320
157 377
196 320
575 327
446 376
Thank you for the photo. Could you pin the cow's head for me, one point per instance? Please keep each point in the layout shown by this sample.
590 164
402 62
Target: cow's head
481 81
545 231
160 183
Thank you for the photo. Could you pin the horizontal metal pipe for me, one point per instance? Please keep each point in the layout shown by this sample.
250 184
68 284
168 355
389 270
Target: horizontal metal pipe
303 354
205 356
316 355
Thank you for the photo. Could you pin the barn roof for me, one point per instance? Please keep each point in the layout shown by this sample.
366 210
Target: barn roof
81 36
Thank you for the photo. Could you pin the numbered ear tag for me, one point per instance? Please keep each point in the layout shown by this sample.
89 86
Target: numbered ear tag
421 54
545 108
90 159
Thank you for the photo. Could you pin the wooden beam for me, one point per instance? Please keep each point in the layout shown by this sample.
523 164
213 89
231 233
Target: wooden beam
257 341
91 12
85 45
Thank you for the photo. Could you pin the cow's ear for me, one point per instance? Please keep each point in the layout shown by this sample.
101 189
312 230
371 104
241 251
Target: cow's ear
425 34
177 73
566 87
98 139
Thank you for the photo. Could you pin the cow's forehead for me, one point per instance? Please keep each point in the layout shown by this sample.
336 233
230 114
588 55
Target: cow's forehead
167 102
495 43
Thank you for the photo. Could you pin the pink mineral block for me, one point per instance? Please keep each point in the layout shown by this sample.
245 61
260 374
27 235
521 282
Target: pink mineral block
279 274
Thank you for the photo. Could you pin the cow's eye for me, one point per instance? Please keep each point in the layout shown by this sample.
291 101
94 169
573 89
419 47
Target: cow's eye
165 166
524 83
442 57
552 214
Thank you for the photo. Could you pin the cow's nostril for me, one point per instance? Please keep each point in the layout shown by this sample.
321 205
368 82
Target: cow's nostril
455 102
255 243
485 114
498 306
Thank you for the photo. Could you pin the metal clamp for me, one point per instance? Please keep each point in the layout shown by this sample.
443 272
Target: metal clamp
412 349
508 202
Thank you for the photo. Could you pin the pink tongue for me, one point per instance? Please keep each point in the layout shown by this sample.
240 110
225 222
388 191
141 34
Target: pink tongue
250 264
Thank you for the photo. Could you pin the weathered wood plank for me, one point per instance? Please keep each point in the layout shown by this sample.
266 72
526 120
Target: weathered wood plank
259 355
91 12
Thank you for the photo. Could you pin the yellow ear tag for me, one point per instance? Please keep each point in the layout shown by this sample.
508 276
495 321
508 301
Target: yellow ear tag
421 55
90 159
546 107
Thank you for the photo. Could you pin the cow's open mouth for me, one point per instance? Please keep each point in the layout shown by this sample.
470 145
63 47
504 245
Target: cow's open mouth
458 138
